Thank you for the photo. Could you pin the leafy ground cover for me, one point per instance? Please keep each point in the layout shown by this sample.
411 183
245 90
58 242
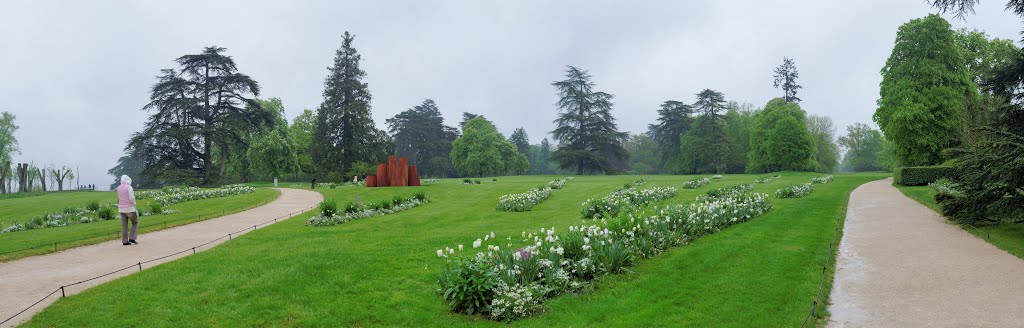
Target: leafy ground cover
42 241
1007 236
383 271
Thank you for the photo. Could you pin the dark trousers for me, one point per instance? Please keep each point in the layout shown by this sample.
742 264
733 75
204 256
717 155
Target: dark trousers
125 234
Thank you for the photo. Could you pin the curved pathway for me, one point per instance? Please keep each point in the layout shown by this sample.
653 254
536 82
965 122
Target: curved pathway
25 281
900 264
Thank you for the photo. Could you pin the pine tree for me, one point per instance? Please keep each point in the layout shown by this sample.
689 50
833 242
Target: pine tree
673 121
345 133
545 156
521 140
785 77
421 136
589 140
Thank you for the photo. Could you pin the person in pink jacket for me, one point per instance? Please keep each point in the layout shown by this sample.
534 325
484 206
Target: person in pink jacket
126 207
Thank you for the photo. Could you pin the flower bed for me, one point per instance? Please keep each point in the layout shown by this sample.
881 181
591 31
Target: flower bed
74 215
510 281
794 190
180 195
716 176
522 202
824 179
696 183
767 179
329 215
729 191
624 199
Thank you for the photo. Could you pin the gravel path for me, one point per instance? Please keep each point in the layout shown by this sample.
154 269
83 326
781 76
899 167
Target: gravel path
26 280
902 265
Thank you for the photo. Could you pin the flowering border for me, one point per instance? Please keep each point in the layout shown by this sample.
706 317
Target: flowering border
794 190
362 212
522 202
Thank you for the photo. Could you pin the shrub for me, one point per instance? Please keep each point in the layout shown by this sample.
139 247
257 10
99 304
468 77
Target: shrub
328 208
398 200
156 208
93 206
419 195
351 208
70 210
467 285
923 175
467 181
477 181
107 213
494 179
794 190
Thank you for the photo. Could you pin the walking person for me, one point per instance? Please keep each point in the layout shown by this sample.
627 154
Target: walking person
126 207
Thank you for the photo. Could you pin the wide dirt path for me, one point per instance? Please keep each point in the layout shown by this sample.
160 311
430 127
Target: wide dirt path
902 265
25 281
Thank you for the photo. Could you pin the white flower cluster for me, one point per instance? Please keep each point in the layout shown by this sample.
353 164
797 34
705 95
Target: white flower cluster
947 188
192 193
716 176
767 179
794 190
514 280
730 191
319 221
522 202
824 179
624 199
696 183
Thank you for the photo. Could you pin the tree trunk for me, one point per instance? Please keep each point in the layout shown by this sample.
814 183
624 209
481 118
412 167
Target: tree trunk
223 161
207 160
42 179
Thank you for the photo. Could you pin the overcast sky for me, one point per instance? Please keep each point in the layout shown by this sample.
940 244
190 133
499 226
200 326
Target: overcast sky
77 73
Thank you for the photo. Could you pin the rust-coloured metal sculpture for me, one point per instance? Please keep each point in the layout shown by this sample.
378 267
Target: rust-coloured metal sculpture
395 173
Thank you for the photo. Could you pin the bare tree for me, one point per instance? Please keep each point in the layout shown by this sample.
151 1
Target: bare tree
60 175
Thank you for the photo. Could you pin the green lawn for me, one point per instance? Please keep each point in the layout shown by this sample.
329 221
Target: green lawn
43 240
1007 236
381 271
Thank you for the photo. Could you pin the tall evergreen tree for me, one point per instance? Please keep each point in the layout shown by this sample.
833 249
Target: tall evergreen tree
345 132
923 91
198 111
521 140
421 136
545 156
589 140
466 116
704 148
785 77
673 121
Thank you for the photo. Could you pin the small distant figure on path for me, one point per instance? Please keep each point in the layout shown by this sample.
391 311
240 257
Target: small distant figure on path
312 185
126 207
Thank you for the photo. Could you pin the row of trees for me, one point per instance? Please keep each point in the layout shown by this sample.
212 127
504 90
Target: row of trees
208 126
26 176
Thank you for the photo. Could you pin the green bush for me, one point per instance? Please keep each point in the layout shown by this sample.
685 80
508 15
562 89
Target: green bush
923 175
93 206
351 208
420 196
328 208
477 181
156 208
398 200
106 213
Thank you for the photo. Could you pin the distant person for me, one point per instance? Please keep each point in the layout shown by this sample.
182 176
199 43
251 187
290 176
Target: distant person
126 206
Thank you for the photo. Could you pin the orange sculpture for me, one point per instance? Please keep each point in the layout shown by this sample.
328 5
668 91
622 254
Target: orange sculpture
395 173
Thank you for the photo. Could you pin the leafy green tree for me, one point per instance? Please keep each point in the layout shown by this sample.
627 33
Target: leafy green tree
923 91
644 153
521 140
863 148
272 152
198 111
705 146
421 136
482 151
983 56
785 77
779 140
301 131
8 142
823 132
345 132
738 121
674 119
589 140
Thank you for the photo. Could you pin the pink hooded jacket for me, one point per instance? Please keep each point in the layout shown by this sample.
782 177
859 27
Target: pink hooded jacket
125 196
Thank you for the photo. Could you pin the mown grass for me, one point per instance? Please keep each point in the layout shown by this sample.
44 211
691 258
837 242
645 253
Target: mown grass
21 209
48 240
1007 236
381 271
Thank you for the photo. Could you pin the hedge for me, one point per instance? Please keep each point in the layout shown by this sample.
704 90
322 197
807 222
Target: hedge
922 175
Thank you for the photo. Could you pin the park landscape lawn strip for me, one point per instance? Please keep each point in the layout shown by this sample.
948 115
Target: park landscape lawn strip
1007 236
382 271
91 233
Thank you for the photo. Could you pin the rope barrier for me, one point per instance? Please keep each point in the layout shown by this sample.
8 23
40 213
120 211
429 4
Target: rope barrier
824 268
61 289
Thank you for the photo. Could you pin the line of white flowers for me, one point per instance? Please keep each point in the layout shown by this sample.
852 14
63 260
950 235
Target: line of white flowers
623 200
522 202
794 190
824 179
180 195
321 221
510 279
767 179
716 176
71 217
696 183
